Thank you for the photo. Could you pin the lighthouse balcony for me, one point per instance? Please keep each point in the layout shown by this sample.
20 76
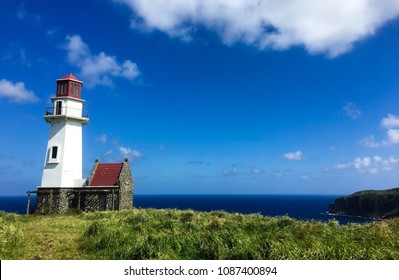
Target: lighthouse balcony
52 113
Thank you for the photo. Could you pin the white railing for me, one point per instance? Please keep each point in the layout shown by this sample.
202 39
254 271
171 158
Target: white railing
65 111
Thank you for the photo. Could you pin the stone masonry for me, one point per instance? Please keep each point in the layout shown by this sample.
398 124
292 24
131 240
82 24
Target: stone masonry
88 198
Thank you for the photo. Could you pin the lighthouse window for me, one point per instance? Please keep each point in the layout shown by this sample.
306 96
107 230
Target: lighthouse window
53 155
62 89
54 152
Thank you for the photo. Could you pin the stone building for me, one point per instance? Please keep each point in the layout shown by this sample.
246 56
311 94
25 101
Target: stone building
62 189
109 187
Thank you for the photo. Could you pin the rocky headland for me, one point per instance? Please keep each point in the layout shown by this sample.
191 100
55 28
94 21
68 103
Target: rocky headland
371 204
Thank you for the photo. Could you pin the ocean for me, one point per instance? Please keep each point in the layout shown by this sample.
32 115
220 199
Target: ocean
302 207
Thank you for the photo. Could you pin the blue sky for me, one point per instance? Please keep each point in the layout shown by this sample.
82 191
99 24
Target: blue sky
218 97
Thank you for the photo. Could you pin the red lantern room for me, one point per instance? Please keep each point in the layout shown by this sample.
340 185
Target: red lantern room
69 86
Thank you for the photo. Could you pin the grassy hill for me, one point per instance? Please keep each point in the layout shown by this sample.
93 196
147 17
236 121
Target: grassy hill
175 234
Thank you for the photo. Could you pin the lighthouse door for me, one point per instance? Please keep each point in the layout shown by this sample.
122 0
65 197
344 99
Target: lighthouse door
58 108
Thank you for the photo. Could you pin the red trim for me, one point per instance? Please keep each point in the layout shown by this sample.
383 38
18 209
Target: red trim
70 76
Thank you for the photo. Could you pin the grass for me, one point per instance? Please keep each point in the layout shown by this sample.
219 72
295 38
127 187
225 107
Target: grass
175 234
41 237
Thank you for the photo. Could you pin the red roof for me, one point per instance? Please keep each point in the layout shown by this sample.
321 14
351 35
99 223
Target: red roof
106 174
69 77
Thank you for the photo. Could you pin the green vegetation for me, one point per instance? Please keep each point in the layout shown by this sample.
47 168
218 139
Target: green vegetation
175 234
382 193
370 203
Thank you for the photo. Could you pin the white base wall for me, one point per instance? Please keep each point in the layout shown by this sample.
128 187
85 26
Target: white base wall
66 170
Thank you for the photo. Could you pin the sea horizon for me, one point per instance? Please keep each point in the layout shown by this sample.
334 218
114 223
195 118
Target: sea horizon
301 207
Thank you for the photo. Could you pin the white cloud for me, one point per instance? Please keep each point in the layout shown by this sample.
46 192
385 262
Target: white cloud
257 171
371 165
377 159
277 174
391 121
22 13
16 92
298 155
129 153
343 165
231 171
110 157
304 177
352 110
327 26
393 160
108 154
77 49
362 162
392 136
101 139
97 69
23 58
369 142
391 124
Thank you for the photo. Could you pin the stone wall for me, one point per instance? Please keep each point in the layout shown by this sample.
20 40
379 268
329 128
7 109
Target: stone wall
100 199
62 200
93 171
126 186
55 200
88 199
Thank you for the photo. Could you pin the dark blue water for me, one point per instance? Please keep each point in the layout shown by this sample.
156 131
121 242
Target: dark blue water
303 207
16 204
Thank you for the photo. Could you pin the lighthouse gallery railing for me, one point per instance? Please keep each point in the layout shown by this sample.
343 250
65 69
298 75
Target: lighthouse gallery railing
65 111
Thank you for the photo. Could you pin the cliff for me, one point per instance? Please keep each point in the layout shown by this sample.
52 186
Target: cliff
371 204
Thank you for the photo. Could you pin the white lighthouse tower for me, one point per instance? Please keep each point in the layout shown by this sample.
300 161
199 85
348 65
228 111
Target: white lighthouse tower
109 185
63 161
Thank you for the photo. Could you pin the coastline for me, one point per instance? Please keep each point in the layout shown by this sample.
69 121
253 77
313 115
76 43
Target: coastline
299 207
357 217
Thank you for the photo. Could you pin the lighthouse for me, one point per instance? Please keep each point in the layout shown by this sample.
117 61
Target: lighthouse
63 160
109 185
